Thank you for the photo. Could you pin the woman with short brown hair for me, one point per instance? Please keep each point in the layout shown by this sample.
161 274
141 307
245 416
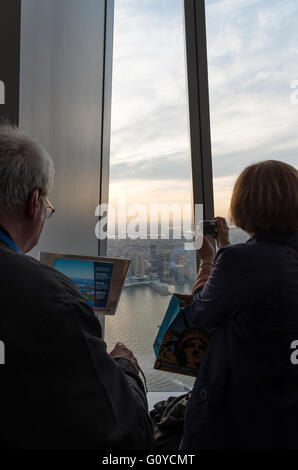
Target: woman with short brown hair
265 197
246 393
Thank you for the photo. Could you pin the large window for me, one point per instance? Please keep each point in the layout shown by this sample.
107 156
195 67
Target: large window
253 73
253 87
150 165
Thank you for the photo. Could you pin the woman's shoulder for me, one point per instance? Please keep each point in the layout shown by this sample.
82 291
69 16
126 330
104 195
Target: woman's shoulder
238 259
237 250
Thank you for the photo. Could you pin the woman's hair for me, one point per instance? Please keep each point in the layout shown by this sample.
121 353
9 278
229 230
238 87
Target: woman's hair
265 198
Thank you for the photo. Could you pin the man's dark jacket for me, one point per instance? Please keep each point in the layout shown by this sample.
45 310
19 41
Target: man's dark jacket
246 393
59 388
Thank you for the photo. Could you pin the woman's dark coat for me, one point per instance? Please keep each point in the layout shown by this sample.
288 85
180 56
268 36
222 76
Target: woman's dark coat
246 393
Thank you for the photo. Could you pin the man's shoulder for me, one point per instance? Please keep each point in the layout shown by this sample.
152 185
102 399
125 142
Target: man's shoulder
27 275
32 292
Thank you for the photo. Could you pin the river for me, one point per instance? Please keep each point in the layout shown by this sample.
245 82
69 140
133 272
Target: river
136 322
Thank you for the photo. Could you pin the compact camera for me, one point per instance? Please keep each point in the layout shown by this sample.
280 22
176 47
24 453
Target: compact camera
210 227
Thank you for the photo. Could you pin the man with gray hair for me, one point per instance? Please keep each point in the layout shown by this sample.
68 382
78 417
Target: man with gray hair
26 176
59 388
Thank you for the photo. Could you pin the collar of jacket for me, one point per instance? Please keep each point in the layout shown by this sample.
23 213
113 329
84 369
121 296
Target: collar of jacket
284 238
3 230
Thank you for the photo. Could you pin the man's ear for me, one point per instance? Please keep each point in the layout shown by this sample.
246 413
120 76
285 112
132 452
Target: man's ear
33 203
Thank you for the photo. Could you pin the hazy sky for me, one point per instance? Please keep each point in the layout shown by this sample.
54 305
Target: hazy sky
253 59
75 268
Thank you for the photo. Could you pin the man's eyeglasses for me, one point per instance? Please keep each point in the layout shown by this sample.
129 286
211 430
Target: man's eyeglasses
50 208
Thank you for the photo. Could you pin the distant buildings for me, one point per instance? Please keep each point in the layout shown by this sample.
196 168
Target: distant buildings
165 261
138 264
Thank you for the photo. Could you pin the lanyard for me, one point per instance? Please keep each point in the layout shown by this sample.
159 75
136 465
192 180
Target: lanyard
8 241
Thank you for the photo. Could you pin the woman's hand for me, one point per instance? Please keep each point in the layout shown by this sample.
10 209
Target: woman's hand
222 238
206 252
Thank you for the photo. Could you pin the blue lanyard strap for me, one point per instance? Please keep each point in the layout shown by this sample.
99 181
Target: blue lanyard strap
8 241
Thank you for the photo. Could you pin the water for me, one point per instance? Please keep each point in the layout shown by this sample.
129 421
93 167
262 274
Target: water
138 316
141 309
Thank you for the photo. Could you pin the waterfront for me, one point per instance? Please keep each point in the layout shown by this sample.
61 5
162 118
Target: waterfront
139 314
141 308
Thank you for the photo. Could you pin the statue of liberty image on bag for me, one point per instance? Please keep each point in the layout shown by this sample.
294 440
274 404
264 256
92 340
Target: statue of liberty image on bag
179 346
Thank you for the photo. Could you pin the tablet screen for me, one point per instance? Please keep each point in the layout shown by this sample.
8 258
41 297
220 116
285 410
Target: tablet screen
92 278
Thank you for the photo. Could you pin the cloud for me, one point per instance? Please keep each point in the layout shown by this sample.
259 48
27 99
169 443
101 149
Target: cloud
163 167
252 63
162 130
252 51
148 59
150 192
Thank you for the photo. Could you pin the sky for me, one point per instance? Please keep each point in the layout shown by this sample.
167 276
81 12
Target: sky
252 62
75 269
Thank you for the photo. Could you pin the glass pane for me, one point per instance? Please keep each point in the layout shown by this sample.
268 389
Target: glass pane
149 165
252 55
61 107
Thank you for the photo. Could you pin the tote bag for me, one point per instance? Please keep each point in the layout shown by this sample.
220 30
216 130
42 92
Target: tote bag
179 345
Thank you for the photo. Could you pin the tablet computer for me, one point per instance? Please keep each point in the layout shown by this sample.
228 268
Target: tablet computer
99 279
